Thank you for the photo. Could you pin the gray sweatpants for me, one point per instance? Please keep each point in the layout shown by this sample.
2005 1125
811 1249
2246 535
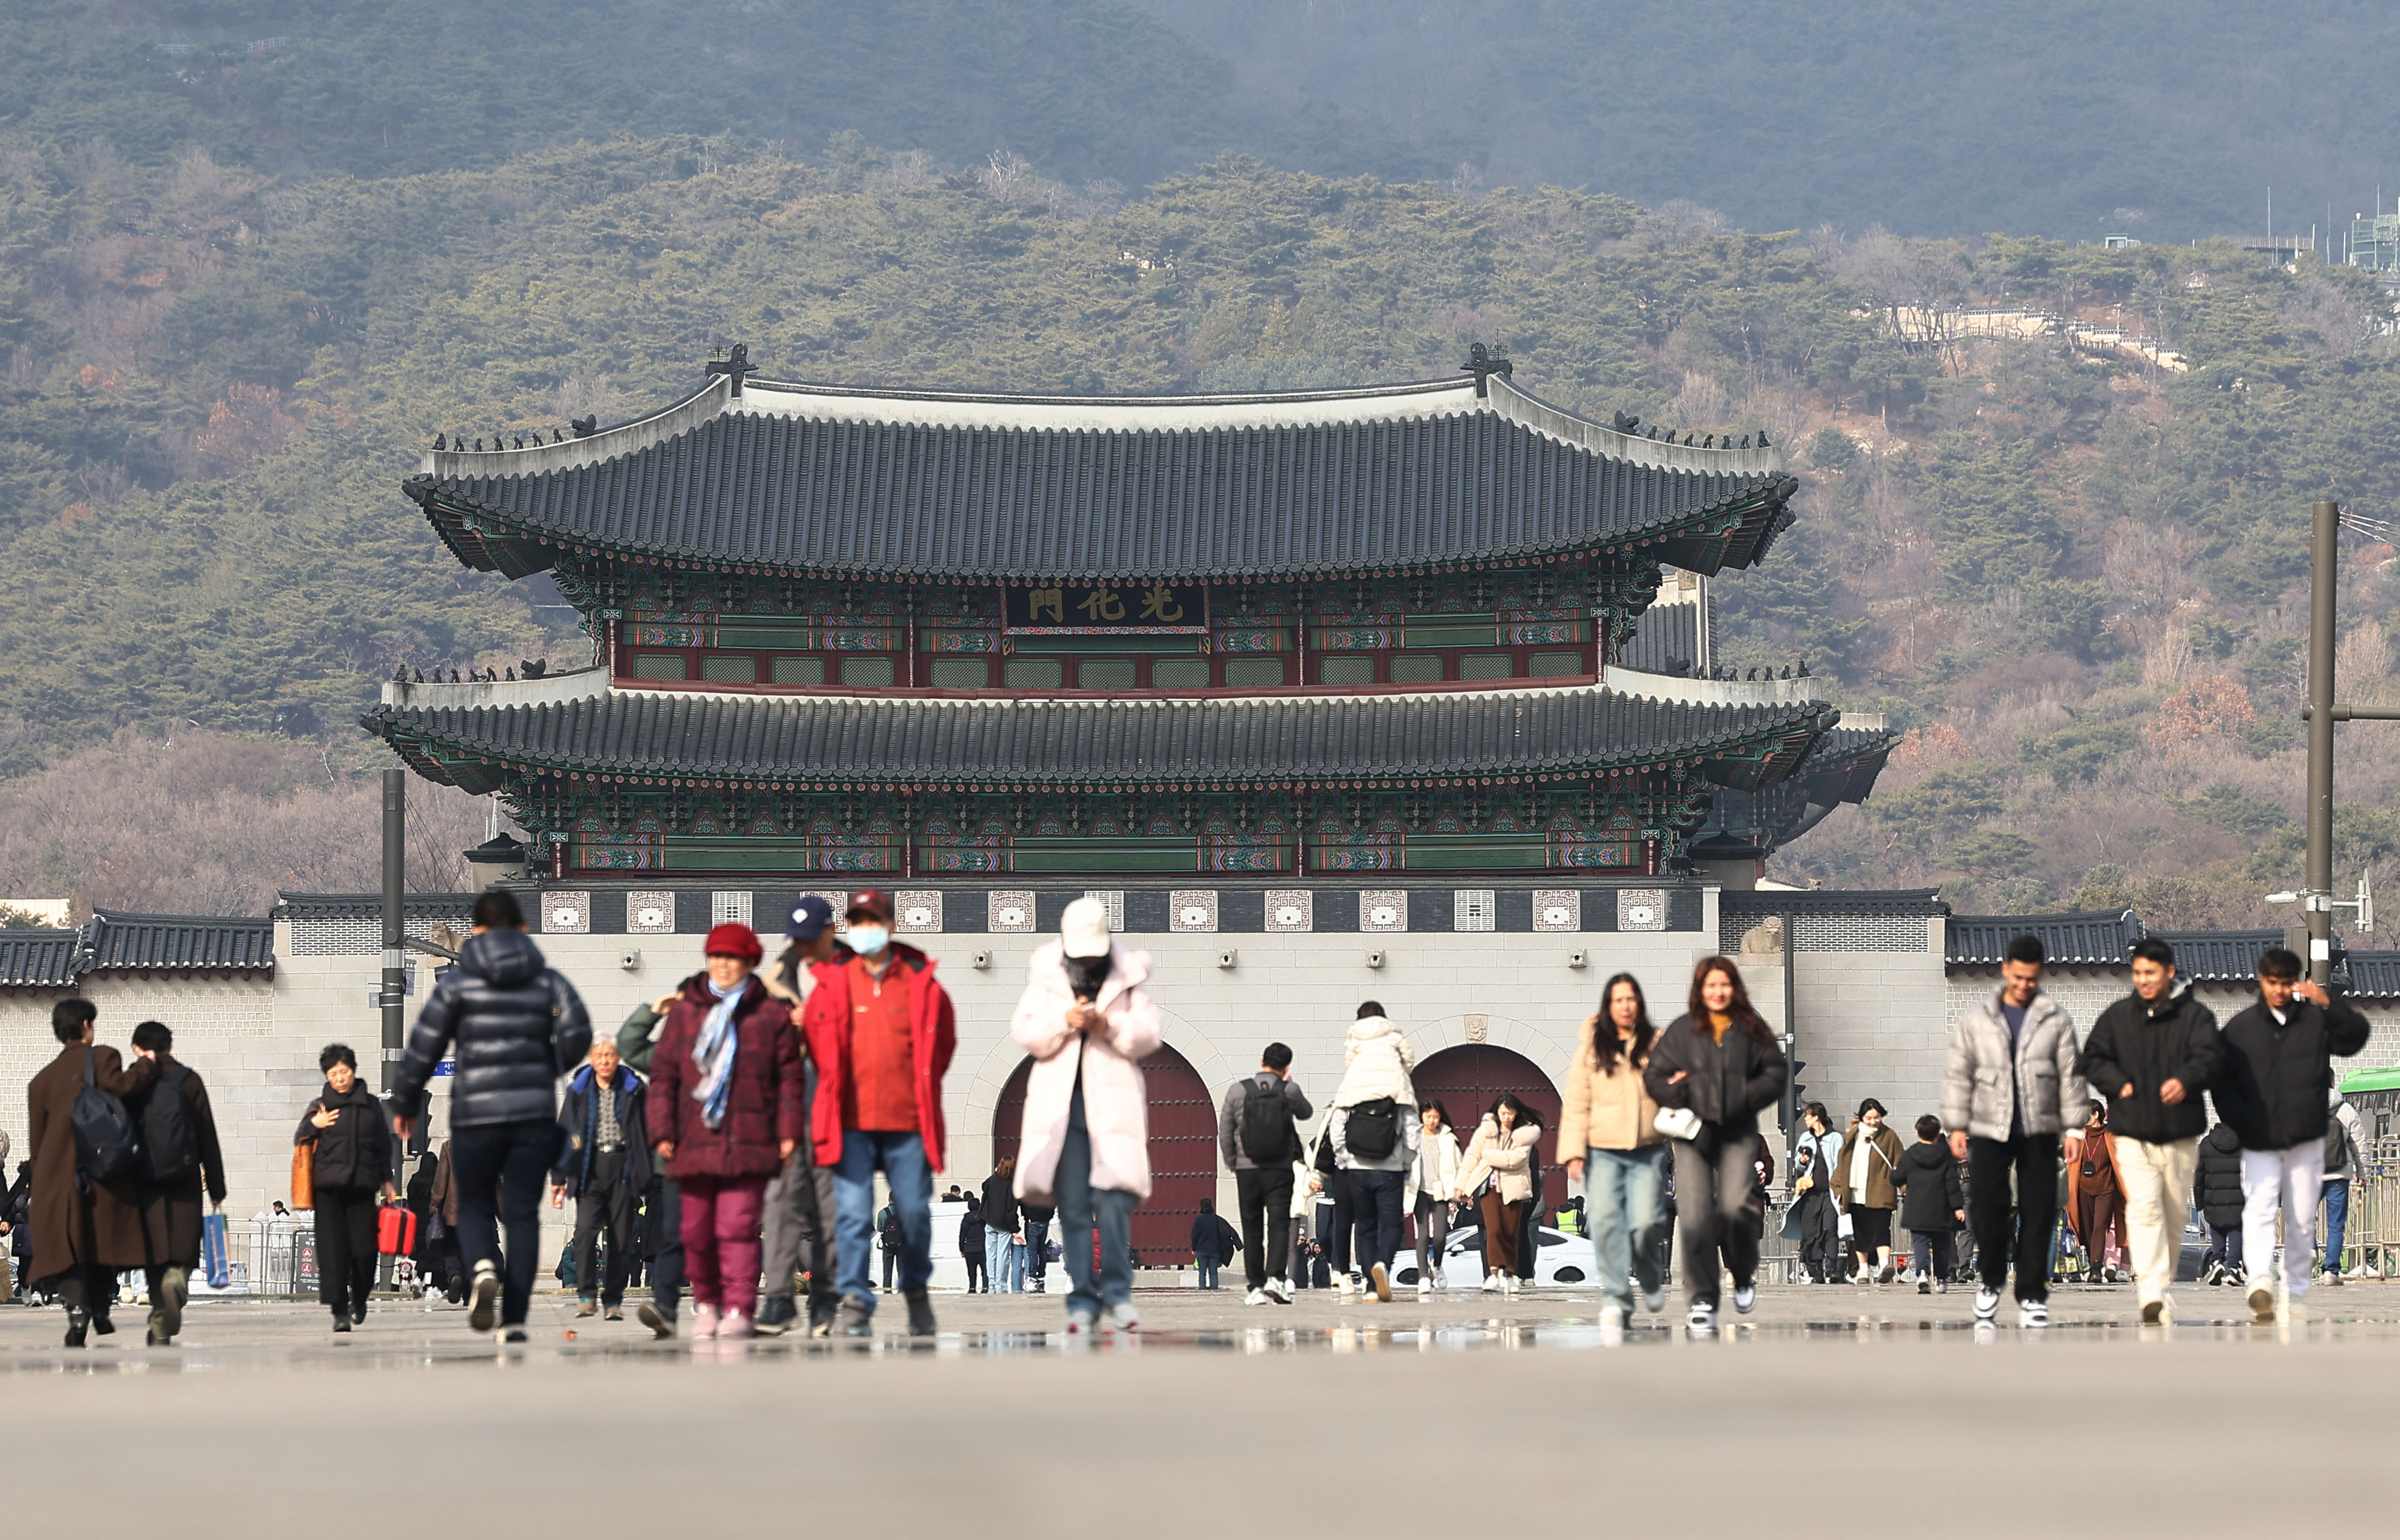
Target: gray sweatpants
799 1228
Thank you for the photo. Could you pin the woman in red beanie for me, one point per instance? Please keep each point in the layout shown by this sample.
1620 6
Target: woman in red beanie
725 1113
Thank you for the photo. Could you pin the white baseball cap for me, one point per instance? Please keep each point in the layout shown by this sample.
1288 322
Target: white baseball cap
1085 928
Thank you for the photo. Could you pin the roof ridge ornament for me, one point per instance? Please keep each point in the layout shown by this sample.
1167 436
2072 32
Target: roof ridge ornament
1484 362
738 367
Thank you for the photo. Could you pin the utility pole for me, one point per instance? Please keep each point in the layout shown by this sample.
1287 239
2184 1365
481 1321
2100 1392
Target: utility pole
395 936
2321 712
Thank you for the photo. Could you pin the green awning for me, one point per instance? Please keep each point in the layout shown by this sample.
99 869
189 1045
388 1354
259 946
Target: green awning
2370 1080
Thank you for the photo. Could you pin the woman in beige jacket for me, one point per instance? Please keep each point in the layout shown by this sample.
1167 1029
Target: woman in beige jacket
1502 1153
1608 1136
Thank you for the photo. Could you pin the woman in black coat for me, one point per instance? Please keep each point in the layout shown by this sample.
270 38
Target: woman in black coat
1719 1061
352 1165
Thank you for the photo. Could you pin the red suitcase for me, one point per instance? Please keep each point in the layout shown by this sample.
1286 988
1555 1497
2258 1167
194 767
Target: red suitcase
396 1229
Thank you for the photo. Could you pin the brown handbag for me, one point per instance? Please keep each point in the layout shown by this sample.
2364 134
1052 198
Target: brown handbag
304 1175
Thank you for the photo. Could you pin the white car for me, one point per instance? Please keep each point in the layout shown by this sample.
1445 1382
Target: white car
1564 1259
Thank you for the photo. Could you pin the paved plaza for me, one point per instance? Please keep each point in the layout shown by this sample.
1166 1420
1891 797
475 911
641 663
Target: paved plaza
1829 1405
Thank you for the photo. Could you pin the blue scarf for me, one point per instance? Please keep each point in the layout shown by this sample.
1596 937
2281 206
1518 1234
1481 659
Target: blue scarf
713 1054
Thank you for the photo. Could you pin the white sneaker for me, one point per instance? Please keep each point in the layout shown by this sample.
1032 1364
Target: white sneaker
1425 1288
1341 1282
1124 1317
1491 1283
1803 1280
1080 1326
1745 1298
1256 1296
1612 1322
483 1295
1703 1320
1279 1290
1987 1304
2262 1303
1508 1285
2032 1313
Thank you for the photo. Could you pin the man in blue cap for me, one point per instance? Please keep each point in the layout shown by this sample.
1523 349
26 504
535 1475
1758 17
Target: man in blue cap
800 1201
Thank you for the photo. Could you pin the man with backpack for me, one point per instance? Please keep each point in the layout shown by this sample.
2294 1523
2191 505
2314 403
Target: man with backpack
2278 1060
87 1198
179 1159
1257 1133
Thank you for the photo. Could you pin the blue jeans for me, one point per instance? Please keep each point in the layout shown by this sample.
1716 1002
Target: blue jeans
1000 1261
1625 1196
2336 1215
902 1158
1375 1199
1081 1205
1208 1265
1037 1243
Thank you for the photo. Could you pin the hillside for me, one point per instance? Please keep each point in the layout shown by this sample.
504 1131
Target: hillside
2071 576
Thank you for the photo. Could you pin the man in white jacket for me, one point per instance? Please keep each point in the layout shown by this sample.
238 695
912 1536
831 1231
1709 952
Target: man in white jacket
1375 1138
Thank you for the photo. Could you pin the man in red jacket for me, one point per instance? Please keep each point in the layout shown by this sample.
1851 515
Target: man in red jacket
882 1031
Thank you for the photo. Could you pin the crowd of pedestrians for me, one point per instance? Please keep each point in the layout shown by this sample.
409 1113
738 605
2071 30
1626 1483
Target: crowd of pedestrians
733 1130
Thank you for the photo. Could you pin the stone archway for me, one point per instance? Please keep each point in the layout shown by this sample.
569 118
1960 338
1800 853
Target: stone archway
1466 1079
1182 1152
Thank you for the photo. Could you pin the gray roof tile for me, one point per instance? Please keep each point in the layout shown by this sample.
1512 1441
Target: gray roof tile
1031 741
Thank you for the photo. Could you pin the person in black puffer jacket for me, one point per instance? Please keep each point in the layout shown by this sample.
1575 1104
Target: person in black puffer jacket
1933 1203
1719 1061
2216 1193
353 1166
518 1027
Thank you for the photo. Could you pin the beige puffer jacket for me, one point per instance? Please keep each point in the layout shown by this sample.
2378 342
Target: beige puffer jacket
1507 1159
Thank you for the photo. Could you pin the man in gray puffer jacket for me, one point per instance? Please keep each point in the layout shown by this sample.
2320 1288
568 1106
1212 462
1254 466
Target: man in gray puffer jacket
518 1025
2010 1095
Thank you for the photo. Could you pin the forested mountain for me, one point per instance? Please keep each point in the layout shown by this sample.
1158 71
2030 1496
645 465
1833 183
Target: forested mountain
232 315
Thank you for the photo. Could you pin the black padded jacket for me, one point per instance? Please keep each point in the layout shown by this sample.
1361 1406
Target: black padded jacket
518 1025
2217 1179
2271 1083
2138 1046
1727 1083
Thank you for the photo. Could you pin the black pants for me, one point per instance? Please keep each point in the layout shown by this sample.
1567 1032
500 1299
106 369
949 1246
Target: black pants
1265 1198
1715 1211
605 1205
89 1287
1334 1234
1376 1198
345 1247
664 1227
503 1170
1930 1250
2034 1159
972 1256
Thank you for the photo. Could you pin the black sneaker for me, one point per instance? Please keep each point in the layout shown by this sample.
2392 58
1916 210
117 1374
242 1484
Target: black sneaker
660 1323
776 1314
78 1323
921 1313
341 1323
855 1318
359 1314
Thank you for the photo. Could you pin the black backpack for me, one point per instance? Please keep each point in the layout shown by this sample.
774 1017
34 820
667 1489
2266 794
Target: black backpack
1372 1128
106 1142
1266 1125
169 1144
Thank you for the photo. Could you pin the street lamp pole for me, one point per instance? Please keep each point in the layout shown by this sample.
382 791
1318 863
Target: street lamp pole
2317 896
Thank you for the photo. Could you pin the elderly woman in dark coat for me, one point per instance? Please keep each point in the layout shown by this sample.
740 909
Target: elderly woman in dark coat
83 1233
351 1169
173 1180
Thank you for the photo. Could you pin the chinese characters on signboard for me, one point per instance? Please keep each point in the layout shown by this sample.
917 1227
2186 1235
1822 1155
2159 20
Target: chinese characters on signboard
1134 606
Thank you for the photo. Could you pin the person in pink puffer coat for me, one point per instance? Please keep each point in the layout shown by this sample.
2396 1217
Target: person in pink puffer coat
1089 1023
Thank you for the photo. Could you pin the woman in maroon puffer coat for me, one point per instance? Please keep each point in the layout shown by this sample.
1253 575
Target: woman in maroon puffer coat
725 1112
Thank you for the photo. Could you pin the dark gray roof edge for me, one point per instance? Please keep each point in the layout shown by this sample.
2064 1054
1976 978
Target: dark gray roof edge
1006 397
292 905
1825 900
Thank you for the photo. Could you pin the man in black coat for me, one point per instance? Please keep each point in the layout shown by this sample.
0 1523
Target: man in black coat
517 1024
2279 1056
2150 1055
605 1162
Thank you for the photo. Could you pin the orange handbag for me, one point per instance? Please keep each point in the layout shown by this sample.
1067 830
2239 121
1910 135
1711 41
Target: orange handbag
303 1174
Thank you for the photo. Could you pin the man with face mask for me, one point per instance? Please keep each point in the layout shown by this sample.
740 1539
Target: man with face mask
880 1031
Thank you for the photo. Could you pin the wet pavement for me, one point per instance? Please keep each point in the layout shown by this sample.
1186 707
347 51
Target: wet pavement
1828 1406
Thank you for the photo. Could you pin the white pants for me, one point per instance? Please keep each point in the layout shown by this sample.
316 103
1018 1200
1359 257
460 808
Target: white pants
2156 1180
2289 1179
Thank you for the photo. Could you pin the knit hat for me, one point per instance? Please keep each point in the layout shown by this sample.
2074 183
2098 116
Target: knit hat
1085 928
733 939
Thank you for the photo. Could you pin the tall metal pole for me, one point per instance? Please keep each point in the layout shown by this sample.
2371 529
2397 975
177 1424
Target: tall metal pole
395 883
2323 550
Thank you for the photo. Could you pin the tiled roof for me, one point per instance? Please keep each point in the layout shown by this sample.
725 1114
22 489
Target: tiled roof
153 943
2086 938
1666 640
1902 902
1020 742
2218 957
2375 975
40 959
443 906
1123 490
